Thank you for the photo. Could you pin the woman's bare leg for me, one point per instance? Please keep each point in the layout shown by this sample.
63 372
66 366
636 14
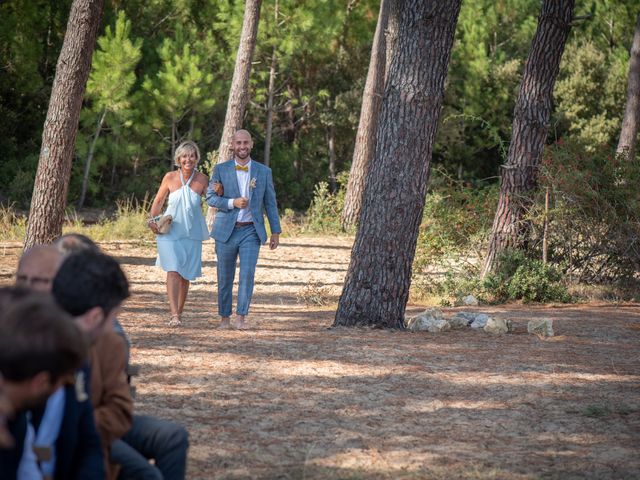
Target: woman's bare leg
173 292
184 290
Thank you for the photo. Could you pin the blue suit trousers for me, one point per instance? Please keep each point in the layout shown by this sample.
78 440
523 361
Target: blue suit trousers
244 243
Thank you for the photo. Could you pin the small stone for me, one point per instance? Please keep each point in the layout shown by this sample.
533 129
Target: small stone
470 301
461 320
480 320
497 325
542 327
431 320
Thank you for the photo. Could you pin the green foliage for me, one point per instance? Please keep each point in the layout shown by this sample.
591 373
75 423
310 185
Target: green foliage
456 224
325 211
533 281
13 227
112 71
484 75
456 221
516 278
181 86
594 219
591 93
129 222
166 76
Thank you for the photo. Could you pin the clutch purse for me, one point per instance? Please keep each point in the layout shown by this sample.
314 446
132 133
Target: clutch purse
164 223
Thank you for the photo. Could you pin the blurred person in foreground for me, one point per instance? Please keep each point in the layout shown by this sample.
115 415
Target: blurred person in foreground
150 437
91 287
67 442
91 283
40 350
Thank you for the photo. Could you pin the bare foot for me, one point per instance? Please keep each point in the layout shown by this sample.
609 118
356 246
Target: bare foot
240 324
175 320
225 324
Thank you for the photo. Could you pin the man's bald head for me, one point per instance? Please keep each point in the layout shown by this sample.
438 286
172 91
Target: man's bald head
241 146
37 267
242 133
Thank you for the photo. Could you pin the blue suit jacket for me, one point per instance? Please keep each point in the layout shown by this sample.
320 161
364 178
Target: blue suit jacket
263 199
78 449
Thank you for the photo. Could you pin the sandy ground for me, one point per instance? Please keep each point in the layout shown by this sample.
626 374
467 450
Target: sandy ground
293 399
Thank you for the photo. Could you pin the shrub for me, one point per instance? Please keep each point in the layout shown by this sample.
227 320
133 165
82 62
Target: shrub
13 227
325 212
594 219
455 226
516 278
533 281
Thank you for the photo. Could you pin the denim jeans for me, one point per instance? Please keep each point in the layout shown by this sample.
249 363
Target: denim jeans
152 438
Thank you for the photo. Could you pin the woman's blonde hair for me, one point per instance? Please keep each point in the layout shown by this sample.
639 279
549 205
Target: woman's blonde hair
184 147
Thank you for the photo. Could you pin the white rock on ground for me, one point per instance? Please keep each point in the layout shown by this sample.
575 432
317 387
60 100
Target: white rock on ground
470 301
462 319
497 325
480 320
543 327
431 320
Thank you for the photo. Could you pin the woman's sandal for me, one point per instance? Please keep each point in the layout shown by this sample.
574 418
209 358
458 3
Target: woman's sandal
175 320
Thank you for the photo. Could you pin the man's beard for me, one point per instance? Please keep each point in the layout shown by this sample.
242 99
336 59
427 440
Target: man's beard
243 155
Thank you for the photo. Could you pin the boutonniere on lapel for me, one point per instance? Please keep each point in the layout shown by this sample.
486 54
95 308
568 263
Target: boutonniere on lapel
252 183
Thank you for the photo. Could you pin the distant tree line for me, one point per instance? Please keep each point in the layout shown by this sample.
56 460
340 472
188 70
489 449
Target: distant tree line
161 72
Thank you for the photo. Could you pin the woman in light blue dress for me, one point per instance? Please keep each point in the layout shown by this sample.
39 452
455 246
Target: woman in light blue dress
180 249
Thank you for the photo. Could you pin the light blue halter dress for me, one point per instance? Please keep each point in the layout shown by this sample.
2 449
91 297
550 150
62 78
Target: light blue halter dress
180 250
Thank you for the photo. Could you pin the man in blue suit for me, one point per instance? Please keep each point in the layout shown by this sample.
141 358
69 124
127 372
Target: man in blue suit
239 227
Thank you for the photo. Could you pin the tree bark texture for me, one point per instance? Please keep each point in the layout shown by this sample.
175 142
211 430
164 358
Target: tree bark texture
629 131
376 287
366 136
61 124
529 130
239 92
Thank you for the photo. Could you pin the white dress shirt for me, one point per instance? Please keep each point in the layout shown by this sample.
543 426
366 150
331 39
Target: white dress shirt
244 179
49 430
28 468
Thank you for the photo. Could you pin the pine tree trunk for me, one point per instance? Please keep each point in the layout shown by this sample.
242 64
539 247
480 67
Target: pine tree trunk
376 287
331 139
390 36
629 131
270 94
89 159
529 131
366 138
61 125
239 92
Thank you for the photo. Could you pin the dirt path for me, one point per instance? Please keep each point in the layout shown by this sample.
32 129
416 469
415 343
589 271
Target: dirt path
294 400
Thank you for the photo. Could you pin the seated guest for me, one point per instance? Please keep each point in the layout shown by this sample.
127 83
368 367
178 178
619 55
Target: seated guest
39 347
7 295
66 439
76 242
37 267
91 287
149 438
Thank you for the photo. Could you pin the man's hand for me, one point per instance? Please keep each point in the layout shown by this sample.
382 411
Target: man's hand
240 202
275 241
